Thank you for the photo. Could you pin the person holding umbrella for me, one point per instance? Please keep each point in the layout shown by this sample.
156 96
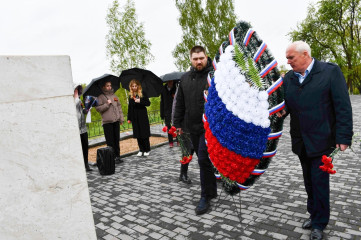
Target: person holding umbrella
111 111
138 116
80 111
166 101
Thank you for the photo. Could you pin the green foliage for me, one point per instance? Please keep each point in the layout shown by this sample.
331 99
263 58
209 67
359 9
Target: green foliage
239 58
248 68
154 104
206 26
333 31
126 44
254 75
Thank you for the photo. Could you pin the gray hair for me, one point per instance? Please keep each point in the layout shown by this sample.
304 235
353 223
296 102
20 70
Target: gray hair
300 46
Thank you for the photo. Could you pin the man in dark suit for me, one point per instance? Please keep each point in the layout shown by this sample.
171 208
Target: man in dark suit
318 102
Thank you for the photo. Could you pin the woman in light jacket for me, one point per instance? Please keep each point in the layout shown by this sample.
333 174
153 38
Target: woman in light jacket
80 111
111 111
138 116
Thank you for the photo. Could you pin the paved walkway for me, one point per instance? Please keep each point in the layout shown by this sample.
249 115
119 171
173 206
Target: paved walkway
144 200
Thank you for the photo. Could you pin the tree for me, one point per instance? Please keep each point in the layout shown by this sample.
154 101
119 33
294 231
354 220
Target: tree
205 23
126 46
332 29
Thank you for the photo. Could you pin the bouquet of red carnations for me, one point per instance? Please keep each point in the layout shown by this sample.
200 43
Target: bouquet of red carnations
184 142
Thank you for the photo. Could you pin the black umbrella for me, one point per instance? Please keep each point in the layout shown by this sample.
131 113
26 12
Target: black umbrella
176 76
152 85
94 88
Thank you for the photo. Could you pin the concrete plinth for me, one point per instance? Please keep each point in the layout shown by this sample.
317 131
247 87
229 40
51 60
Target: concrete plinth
43 187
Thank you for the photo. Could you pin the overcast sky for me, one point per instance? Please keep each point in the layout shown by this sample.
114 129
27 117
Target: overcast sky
77 28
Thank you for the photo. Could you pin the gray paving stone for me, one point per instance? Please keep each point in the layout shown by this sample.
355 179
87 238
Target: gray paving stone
145 200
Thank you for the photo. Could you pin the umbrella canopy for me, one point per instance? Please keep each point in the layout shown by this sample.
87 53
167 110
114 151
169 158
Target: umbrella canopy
152 85
94 88
176 76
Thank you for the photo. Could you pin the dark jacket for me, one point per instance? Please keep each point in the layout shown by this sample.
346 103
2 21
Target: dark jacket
190 100
166 101
138 115
320 109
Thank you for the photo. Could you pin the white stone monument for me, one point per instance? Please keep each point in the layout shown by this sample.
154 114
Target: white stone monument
43 185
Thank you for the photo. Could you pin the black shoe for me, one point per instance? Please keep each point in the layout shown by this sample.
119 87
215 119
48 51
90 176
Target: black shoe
118 160
307 224
203 206
88 169
184 178
316 234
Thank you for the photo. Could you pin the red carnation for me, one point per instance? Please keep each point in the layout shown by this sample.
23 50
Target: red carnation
327 165
165 128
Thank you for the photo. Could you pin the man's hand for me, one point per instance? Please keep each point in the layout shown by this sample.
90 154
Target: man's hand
179 131
281 113
342 147
109 101
137 100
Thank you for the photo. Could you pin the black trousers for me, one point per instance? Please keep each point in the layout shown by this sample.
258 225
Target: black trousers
317 184
206 170
112 135
167 123
143 144
85 147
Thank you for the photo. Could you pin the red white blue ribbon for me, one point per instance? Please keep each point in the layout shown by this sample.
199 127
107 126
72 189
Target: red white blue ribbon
214 64
274 86
232 40
204 118
242 187
248 36
205 95
268 68
209 80
274 135
259 52
269 154
258 172
220 50
218 176
277 108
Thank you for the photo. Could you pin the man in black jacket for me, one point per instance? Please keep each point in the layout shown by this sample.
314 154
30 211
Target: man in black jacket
166 102
321 120
189 110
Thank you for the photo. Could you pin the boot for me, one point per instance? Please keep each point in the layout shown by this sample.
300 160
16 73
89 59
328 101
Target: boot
184 178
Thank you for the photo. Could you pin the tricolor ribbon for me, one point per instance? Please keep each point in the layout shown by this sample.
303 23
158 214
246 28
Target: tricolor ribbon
232 40
205 95
277 108
269 154
220 50
259 52
209 80
258 172
204 118
218 176
214 64
242 187
248 36
274 86
268 68
274 135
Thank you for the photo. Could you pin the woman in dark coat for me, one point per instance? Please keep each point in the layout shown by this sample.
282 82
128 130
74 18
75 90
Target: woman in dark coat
166 102
138 116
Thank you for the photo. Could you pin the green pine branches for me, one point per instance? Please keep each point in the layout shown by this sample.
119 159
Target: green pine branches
248 67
